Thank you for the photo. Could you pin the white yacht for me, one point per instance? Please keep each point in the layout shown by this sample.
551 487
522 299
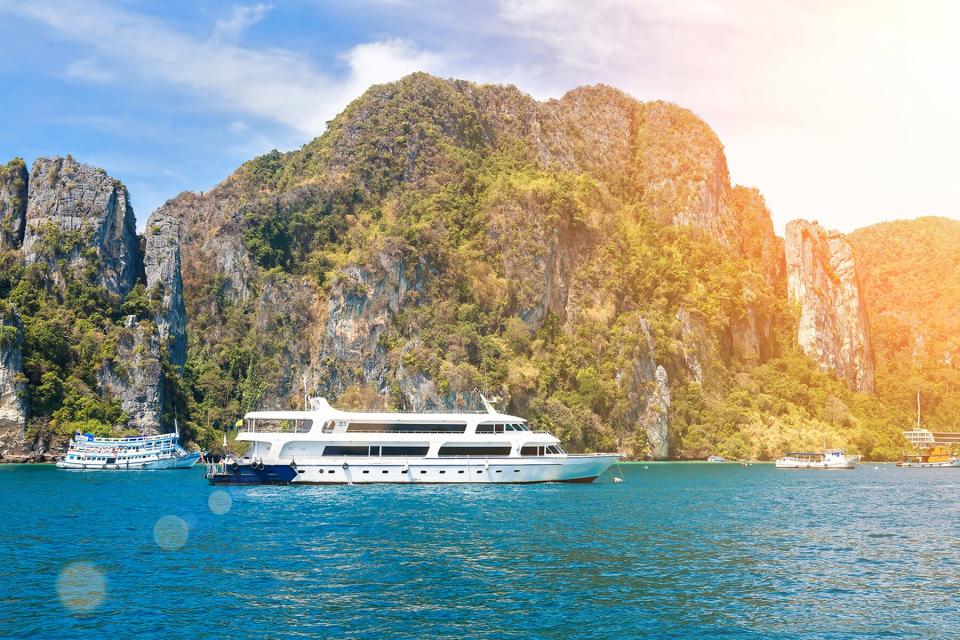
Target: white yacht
325 445
91 453
827 459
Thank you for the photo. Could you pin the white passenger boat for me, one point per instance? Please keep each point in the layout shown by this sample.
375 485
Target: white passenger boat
91 453
326 446
716 459
827 459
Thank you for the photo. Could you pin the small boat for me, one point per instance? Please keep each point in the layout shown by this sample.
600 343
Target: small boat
88 452
827 459
716 459
250 471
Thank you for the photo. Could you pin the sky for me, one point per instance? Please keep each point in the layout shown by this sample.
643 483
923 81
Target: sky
847 112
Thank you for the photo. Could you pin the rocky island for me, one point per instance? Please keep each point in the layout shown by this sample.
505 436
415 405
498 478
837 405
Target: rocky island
587 259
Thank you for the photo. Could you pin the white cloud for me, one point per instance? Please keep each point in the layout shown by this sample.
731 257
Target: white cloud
843 111
241 18
88 69
276 85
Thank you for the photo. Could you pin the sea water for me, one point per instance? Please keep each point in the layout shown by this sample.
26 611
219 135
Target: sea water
676 550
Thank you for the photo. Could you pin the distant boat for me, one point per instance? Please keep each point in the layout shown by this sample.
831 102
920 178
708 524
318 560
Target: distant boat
716 459
91 453
932 451
932 447
827 459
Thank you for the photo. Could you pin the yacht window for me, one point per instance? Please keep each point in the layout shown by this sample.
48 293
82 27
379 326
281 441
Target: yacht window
366 471
491 450
531 450
404 451
327 427
442 471
346 450
386 471
406 427
484 428
511 427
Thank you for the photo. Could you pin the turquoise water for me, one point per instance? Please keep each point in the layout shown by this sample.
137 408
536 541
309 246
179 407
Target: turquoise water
677 550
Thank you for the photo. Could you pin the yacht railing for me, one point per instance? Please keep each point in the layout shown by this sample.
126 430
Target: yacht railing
128 439
276 426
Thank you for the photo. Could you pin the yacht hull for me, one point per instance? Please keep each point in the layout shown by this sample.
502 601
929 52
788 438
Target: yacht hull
452 471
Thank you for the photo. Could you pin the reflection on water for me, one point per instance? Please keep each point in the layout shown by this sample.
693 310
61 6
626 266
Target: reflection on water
679 550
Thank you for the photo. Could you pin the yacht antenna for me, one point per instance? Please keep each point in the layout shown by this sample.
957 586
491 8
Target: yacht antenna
488 403
918 407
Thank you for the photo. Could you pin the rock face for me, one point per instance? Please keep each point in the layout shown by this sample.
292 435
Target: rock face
161 265
14 407
682 173
135 377
359 311
13 203
822 280
647 390
74 207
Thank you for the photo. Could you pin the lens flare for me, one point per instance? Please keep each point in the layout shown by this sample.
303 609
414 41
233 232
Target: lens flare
81 587
220 502
171 532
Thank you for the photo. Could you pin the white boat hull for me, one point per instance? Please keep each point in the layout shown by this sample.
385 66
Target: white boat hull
182 462
573 468
790 464
930 465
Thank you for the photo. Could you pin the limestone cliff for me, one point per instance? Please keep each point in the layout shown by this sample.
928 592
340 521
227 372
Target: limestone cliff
72 208
161 265
647 391
682 171
433 211
14 406
135 376
13 203
823 282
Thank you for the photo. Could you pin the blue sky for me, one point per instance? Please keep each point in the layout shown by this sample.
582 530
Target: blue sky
842 112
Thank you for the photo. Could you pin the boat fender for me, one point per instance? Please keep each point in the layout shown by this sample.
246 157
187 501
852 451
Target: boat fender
260 466
234 465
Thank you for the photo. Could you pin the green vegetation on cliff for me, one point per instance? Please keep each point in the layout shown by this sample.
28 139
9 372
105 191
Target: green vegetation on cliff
910 272
70 327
